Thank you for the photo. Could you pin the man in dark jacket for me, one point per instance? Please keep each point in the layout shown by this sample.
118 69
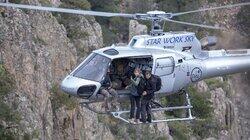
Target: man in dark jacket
148 95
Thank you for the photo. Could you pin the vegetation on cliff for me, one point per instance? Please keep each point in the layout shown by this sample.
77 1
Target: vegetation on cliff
9 117
60 99
203 126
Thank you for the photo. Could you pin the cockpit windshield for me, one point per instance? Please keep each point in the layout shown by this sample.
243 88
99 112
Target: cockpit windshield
94 68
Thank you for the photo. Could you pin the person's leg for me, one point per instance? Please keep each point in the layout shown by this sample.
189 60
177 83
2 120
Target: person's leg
114 95
113 92
105 93
149 112
143 110
138 106
132 107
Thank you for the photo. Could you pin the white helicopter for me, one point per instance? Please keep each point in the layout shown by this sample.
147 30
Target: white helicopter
177 58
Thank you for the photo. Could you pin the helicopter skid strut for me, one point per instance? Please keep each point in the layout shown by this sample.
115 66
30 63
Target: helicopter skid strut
188 107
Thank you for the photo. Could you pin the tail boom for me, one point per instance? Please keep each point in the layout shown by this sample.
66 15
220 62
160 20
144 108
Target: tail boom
229 63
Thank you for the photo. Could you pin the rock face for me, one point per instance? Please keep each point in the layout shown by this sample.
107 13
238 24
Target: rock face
230 105
84 32
136 29
223 112
37 59
241 98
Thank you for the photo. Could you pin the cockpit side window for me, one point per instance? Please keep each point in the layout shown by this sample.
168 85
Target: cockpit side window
94 69
132 43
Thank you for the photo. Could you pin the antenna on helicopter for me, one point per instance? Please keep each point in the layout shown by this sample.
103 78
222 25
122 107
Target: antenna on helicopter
154 16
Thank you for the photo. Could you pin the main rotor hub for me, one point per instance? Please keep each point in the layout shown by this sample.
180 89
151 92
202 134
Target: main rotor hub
159 14
156 12
156 17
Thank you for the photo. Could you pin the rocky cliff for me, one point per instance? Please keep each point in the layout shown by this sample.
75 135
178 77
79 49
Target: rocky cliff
231 100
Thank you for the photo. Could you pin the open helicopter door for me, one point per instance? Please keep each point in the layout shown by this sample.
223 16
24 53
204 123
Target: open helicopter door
164 67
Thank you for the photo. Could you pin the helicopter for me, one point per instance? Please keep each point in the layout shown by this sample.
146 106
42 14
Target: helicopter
178 58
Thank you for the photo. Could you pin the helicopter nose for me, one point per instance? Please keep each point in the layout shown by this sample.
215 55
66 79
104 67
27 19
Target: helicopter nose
80 87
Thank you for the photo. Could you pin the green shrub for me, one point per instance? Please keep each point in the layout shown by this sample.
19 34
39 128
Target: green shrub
15 1
205 128
202 109
45 2
120 129
59 99
7 114
204 125
7 82
72 32
77 34
38 40
109 37
202 106
107 5
174 100
162 138
116 128
6 134
82 4
179 130
119 25
2 32
114 29
34 135
214 83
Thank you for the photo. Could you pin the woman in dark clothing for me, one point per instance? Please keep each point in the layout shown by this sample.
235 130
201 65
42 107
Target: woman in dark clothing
135 97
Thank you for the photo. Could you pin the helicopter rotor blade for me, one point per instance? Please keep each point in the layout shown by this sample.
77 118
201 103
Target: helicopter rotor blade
64 10
149 16
213 8
194 24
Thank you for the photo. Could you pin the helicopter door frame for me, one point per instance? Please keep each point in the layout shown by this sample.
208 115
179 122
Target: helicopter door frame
163 62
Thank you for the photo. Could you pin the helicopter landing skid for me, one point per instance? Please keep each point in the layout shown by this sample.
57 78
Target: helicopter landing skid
188 107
